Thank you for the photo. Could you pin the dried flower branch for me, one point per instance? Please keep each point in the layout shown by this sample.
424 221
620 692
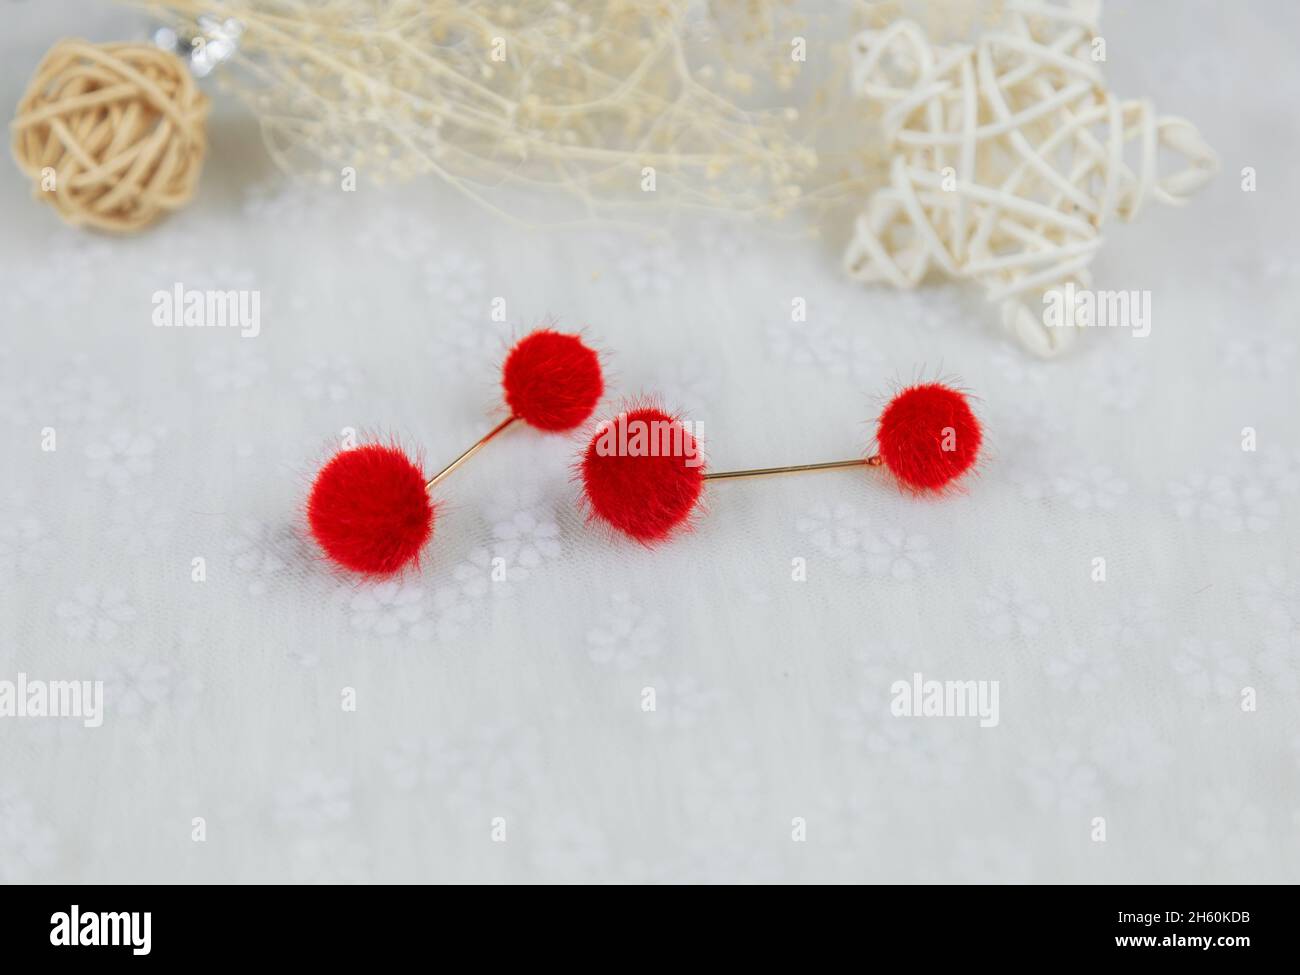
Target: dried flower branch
584 96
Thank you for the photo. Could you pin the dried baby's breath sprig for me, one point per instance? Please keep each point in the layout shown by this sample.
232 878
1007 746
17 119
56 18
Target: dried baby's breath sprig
603 99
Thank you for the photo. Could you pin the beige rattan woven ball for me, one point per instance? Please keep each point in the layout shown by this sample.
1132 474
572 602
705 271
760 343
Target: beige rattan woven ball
111 134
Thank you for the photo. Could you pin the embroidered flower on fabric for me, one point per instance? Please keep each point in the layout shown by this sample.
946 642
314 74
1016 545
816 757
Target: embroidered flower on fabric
524 532
1059 778
626 634
649 268
312 801
1012 608
121 459
232 366
1083 668
391 609
331 378
1210 668
96 613
1231 503
25 547
27 843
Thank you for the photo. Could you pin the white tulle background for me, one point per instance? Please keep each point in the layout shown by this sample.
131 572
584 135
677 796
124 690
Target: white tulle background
523 699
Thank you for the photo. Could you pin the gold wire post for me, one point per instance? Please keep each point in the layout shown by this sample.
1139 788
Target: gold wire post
764 471
432 482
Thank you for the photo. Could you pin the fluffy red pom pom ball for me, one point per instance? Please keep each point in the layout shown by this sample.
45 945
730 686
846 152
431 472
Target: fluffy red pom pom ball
552 381
644 491
369 510
928 436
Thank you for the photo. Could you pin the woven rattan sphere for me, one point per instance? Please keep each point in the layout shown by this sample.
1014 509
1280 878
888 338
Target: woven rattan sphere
111 134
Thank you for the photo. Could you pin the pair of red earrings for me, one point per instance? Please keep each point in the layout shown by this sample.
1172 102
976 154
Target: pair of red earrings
372 511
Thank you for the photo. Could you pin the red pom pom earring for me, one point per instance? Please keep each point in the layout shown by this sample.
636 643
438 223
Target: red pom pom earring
371 508
642 472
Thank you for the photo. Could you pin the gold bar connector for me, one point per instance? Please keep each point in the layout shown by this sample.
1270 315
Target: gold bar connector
432 482
795 469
